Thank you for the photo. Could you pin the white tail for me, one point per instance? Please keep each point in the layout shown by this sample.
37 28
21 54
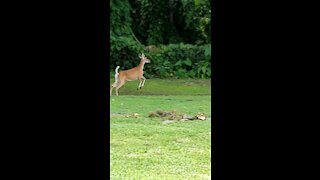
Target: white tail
135 73
116 76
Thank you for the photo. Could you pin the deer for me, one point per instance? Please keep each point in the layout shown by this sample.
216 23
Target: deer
132 74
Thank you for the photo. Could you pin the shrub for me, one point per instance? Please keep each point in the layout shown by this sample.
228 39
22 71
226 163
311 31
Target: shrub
180 61
167 61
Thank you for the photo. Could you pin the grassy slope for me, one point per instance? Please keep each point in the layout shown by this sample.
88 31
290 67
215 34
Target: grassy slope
144 148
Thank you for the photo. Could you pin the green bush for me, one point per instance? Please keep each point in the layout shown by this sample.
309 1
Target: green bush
180 61
167 61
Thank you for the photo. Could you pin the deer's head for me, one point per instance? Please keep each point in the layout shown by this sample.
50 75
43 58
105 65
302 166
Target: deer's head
144 58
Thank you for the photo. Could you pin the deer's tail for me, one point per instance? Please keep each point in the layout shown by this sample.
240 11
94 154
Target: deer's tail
116 76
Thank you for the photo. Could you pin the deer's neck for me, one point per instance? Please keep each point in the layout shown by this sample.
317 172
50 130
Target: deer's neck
141 65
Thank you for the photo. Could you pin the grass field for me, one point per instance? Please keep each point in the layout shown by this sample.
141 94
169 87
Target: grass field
167 87
146 148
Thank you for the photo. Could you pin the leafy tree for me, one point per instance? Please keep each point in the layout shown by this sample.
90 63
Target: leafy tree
178 31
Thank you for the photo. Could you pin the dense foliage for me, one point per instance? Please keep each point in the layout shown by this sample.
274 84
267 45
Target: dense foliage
174 34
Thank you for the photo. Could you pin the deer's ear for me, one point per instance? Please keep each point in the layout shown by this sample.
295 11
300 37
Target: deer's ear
140 56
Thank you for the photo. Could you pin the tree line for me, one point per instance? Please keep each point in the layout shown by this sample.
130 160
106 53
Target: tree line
174 34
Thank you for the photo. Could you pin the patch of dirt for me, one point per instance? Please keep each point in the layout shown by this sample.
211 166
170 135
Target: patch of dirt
133 115
174 116
168 117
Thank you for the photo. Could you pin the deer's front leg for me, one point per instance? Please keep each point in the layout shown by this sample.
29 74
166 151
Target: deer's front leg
139 87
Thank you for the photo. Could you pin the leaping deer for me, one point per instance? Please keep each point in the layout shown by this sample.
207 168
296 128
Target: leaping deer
135 73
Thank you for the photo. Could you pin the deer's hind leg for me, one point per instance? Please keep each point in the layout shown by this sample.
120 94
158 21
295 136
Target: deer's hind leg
113 86
119 85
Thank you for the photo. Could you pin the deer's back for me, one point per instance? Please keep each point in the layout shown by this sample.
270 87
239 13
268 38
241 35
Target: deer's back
131 74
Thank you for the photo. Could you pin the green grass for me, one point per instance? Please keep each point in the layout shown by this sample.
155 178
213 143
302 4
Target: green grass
167 87
146 148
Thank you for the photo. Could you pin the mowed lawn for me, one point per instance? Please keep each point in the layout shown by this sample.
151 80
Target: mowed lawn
146 148
167 87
